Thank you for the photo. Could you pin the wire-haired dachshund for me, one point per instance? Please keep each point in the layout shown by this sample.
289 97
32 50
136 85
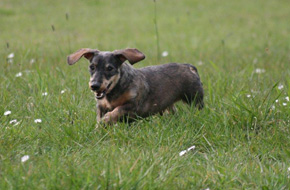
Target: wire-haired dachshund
125 92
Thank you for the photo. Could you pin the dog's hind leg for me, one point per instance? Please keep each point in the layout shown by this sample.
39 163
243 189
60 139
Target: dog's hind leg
194 91
196 99
171 109
199 102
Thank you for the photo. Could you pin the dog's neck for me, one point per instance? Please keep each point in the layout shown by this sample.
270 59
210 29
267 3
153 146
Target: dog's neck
127 73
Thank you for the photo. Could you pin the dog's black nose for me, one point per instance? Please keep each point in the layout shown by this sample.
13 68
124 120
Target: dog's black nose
95 86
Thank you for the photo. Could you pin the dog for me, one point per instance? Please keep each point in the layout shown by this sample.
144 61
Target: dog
125 92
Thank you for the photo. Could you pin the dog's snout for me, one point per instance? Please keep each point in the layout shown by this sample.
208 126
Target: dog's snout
95 86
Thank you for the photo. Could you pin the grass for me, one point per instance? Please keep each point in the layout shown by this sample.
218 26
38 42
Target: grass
241 136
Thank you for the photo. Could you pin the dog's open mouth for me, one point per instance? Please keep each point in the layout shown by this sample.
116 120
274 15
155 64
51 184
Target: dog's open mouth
102 94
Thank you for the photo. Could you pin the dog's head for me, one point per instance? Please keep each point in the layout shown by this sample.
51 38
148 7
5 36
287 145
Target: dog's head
105 67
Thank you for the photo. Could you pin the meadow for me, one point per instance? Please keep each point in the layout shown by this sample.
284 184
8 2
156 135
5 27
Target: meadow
48 138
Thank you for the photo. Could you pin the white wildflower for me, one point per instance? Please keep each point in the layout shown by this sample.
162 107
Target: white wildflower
248 95
182 153
280 87
185 151
207 189
255 60
277 101
32 61
37 121
18 74
13 121
165 54
28 71
63 91
273 107
7 113
200 63
288 169
10 56
259 71
287 98
284 104
24 158
44 94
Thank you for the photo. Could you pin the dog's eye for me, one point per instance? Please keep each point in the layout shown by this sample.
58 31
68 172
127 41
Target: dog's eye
109 68
92 67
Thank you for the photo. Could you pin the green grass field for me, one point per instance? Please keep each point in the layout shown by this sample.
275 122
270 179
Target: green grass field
242 136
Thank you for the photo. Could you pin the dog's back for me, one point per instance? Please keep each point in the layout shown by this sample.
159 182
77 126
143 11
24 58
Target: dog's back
170 83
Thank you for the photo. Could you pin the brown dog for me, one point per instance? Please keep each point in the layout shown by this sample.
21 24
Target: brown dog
124 92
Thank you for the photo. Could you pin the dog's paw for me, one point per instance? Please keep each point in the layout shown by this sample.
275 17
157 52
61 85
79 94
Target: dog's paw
106 118
100 124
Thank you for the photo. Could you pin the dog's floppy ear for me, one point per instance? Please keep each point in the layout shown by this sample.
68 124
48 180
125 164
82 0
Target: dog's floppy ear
131 54
86 52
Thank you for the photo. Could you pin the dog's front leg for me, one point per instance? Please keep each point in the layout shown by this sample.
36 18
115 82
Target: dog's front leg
100 114
117 113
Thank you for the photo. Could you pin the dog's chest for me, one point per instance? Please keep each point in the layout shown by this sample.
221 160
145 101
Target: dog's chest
110 104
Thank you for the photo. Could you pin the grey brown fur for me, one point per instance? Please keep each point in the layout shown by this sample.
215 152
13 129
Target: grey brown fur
125 92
